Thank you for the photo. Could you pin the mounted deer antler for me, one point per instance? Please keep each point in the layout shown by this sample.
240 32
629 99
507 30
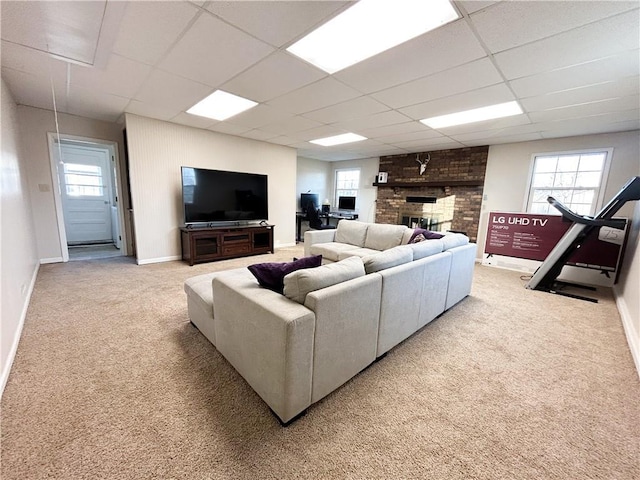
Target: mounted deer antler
423 163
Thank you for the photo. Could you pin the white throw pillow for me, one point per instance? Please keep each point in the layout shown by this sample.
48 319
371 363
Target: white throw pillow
381 236
351 232
388 258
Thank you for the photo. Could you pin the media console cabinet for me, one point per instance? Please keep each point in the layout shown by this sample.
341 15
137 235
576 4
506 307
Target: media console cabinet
217 243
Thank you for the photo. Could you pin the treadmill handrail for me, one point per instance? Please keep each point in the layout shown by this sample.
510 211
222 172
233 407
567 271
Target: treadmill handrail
592 222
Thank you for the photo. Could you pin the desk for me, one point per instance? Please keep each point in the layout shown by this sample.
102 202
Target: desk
301 216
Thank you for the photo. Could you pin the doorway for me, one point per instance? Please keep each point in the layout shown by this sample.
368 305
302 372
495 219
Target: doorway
87 200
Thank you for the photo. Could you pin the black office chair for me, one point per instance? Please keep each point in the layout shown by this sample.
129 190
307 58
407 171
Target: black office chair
315 222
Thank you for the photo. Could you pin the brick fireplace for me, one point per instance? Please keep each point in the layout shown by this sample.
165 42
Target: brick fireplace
447 196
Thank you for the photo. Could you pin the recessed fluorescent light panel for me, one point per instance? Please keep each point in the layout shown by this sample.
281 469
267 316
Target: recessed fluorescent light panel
338 139
221 105
476 115
368 28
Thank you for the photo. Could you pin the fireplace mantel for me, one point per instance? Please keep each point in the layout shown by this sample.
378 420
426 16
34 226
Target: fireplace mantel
439 183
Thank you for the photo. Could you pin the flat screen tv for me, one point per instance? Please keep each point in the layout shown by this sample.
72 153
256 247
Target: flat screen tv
212 196
346 203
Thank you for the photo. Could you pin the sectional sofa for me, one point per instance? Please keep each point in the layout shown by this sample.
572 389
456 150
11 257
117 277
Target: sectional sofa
334 320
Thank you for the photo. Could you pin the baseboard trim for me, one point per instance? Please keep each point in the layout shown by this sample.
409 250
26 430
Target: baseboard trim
629 330
16 339
51 260
158 260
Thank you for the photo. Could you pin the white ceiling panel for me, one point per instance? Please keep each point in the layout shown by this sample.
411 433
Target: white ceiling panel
591 42
88 103
171 91
588 109
149 29
471 6
624 87
457 103
356 108
277 23
318 95
265 80
121 76
566 64
151 110
597 71
504 26
259 116
441 49
470 76
68 29
212 52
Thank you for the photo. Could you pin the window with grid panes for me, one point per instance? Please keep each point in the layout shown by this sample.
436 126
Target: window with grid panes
347 183
573 179
83 180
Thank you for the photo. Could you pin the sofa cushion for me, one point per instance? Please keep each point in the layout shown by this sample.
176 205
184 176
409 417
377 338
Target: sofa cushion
387 259
452 240
271 275
331 250
420 234
301 282
382 236
351 232
356 252
426 249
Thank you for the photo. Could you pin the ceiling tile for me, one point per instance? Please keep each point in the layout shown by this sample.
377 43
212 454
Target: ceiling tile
423 134
259 135
587 109
277 23
196 121
35 62
589 73
371 121
471 76
151 110
276 75
591 42
320 94
121 76
441 143
511 24
356 108
318 132
395 129
66 28
92 104
498 123
228 128
472 6
446 47
211 52
291 125
259 116
521 137
602 91
34 91
457 103
149 29
171 91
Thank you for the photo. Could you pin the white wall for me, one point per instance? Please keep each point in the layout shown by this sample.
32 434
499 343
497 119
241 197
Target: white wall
158 149
35 123
508 166
627 291
313 176
19 259
367 193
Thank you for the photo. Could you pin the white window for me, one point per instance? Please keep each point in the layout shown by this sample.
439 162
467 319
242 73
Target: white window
572 178
83 180
347 183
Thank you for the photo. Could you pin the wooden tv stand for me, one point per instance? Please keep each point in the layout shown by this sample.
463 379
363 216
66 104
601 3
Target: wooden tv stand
207 244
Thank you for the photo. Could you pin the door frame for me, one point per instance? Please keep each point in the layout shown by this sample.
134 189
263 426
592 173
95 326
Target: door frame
54 141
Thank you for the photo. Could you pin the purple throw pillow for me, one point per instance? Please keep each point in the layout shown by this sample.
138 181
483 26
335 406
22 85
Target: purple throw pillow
420 234
271 275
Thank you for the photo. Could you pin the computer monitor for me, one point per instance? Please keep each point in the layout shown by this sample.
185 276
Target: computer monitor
346 203
308 198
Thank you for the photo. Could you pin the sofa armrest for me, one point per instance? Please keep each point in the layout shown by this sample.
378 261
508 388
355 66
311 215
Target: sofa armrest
268 339
317 236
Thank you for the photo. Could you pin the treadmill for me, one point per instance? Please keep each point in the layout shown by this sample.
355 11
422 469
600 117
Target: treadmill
545 277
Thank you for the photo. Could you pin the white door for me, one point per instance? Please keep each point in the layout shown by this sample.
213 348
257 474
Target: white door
85 184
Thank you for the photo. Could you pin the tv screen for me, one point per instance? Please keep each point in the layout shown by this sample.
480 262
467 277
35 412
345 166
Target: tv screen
308 198
210 196
346 203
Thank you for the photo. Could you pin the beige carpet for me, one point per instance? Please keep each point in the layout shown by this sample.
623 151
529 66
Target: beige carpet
111 381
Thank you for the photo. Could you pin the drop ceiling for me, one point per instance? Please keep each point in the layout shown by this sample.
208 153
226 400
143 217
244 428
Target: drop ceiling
572 65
